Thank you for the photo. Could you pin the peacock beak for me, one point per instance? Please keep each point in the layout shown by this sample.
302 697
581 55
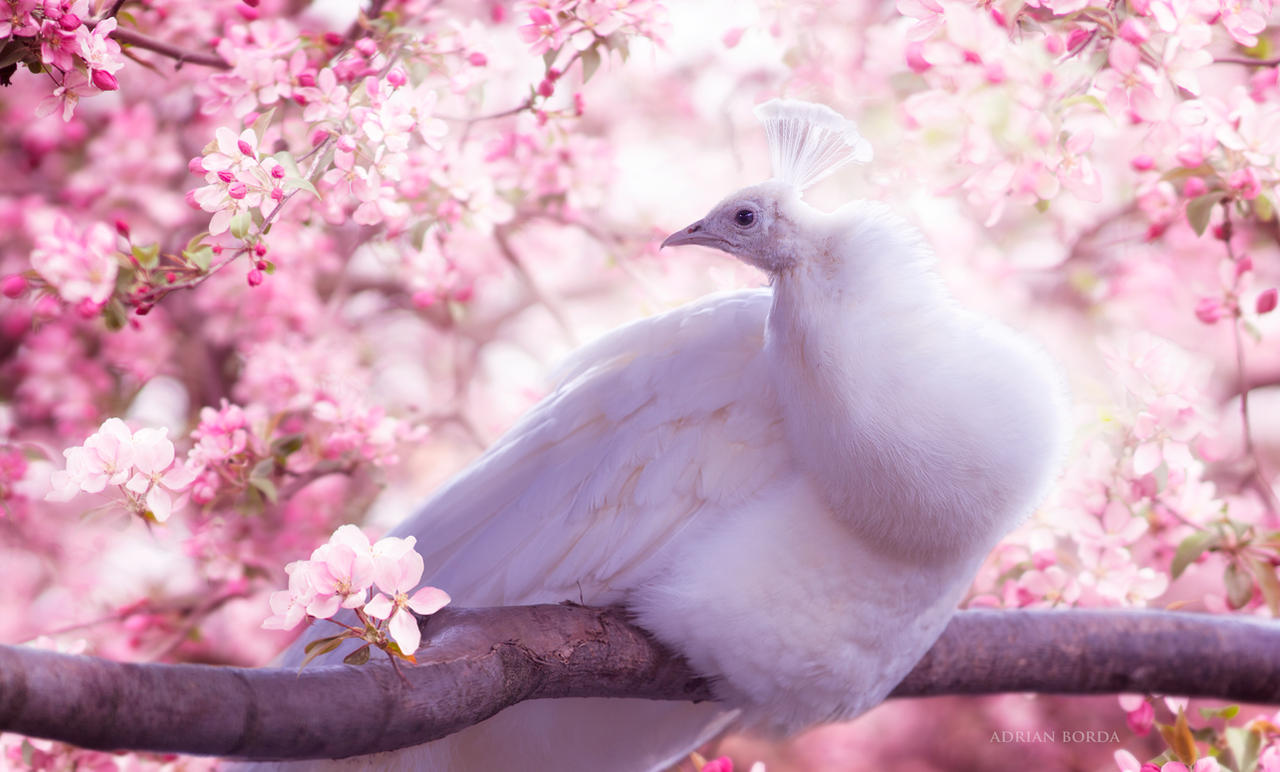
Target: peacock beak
694 234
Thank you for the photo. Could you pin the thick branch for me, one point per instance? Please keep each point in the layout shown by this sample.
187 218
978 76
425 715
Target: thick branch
478 661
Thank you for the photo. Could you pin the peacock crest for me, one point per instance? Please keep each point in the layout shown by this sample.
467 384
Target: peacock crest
808 141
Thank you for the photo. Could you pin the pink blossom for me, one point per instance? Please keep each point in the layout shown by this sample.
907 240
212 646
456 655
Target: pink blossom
100 53
341 572
158 477
397 570
289 607
106 458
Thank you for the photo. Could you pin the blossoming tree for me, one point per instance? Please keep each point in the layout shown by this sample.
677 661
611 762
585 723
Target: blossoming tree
271 268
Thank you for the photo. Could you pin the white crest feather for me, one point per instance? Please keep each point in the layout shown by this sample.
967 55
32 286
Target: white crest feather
808 141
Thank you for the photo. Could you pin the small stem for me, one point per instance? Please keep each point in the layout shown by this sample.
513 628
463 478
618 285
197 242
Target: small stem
1246 61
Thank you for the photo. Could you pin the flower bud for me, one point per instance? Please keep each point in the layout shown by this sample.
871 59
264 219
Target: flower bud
1142 163
238 191
1210 310
104 81
14 285
245 148
1266 302
397 77
254 277
477 59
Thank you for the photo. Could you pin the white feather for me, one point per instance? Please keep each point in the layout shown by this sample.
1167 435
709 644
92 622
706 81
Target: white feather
809 141
792 487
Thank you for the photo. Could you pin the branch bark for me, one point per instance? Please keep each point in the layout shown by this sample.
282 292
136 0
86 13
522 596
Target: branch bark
476 662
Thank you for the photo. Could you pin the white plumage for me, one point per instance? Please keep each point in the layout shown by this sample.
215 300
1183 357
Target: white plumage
791 486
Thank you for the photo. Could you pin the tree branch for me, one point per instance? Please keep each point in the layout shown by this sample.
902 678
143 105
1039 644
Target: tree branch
477 661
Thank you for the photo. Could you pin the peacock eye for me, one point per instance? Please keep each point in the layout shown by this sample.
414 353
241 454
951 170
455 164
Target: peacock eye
744 217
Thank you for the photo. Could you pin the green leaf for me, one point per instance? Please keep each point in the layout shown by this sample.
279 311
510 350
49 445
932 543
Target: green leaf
1239 585
240 224
114 314
1225 712
590 62
1268 582
300 183
1085 99
1199 209
1191 548
261 124
147 256
267 488
286 445
358 657
201 257
1263 209
1244 746
321 646
1180 739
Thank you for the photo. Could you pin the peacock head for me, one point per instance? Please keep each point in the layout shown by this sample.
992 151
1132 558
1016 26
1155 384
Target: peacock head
761 224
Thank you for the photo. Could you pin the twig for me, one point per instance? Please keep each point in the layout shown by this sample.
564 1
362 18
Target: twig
137 39
475 662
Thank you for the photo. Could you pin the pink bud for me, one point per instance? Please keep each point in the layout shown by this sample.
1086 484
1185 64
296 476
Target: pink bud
396 77
579 106
87 309
245 147
14 285
733 37
104 80
546 88
1244 265
237 191
248 12
1142 162
259 249
69 21
497 13
1266 302
254 277
1134 31
307 79
915 57
1245 181
1077 38
423 299
318 136
122 228
170 277
251 3
333 38
477 59
1054 44
366 47
217 249
277 193
972 57
1209 310
346 143
226 176
553 74
1140 720
261 265
196 165
722 764
1194 186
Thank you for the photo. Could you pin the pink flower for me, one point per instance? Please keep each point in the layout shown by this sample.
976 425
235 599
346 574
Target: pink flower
158 476
397 570
106 458
341 572
289 607
101 54
80 265
1139 713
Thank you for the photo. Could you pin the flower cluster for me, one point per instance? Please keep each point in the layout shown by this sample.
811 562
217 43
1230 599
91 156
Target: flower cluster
340 575
141 463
